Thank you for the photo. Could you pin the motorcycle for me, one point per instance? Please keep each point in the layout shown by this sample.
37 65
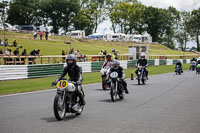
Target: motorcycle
104 72
66 101
116 87
198 69
141 75
178 70
193 65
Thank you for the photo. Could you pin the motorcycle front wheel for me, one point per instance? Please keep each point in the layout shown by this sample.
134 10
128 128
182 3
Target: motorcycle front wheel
59 107
113 92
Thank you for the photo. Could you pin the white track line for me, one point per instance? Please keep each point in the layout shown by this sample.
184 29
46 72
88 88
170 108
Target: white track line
25 93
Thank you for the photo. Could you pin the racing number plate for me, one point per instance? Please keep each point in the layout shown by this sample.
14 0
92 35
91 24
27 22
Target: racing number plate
62 84
114 75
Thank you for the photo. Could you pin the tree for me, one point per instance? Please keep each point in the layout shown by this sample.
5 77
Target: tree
182 33
22 12
195 26
3 6
60 13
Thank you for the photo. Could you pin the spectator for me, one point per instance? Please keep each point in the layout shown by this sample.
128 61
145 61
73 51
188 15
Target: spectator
37 52
101 52
23 54
16 53
6 42
1 52
113 50
7 52
63 54
35 34
116 55
1 43
71 51
77 52
46 34
105 52
32 60
15 43
41 34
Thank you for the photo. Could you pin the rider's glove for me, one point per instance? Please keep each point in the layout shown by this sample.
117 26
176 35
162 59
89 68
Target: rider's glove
54 83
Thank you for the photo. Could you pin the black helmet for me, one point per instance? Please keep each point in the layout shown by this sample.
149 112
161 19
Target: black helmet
116 64
71 57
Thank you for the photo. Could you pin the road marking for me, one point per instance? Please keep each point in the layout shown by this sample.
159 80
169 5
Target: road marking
25 93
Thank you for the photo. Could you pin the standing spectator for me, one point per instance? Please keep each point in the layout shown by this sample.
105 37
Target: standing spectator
16 53
37 52
31 60
1 52
23 54
7 52
41 34
15 43
63 54
46 34
77 52
35 34
71 51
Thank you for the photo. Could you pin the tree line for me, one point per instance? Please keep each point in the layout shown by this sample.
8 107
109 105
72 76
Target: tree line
166 26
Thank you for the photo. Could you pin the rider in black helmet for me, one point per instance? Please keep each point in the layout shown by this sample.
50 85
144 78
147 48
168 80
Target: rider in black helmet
117 68
75 74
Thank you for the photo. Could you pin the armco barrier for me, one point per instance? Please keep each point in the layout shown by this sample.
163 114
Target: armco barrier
35 71
8 72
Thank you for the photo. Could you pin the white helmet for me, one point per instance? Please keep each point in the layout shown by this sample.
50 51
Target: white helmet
198 59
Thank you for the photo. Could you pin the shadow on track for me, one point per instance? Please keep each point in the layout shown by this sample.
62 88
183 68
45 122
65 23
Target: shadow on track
53 119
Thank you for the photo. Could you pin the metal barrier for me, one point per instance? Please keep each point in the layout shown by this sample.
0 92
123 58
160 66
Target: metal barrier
24 60
189 56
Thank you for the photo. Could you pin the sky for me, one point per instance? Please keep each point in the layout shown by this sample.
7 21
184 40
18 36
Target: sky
181 5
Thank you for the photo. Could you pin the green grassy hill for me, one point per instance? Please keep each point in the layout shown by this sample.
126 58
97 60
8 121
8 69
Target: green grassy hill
56 44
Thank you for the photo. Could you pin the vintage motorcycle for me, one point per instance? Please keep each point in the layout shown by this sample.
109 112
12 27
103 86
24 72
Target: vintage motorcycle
178 70
116 87
141 75
66 100
104 72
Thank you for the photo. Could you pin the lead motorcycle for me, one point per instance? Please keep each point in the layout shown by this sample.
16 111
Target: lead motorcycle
141 75
66 100
104 72
116 87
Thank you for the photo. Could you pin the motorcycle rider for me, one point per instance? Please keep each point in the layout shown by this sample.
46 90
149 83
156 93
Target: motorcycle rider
142 62
108 61
117 68
75 75
180 65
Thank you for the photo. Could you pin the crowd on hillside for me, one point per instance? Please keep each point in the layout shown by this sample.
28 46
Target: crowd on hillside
8 52
115 54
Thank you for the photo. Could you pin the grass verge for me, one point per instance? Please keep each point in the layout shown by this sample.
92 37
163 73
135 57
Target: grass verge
27 85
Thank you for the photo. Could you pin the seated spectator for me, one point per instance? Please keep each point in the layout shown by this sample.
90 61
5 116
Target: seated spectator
77 52
1 43
23 54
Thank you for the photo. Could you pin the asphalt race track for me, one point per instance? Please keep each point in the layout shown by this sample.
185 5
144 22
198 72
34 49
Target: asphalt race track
168 103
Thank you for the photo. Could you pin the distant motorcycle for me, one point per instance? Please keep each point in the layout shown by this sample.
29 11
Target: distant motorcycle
66 101
104 72
178 70
141 75
193 65
116 87
198 69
